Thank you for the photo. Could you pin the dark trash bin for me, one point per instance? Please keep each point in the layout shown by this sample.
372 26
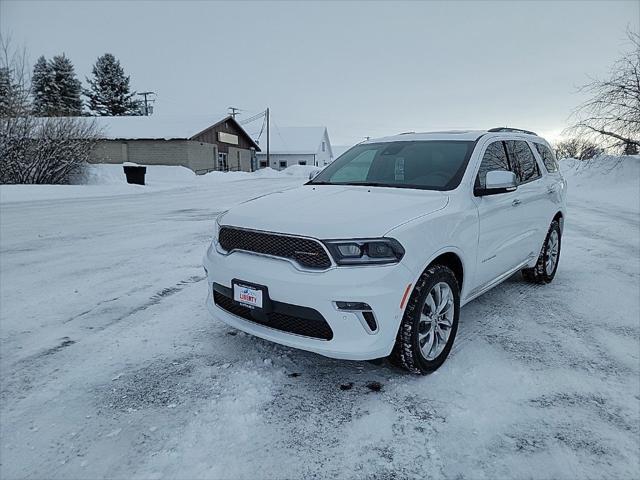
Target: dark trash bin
135 174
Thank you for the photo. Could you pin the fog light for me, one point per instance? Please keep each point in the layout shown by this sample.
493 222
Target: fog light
363 312
352 306
370 318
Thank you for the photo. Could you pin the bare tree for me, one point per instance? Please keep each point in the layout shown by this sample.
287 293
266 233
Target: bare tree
578 148
44 150
611 117
15 85
36 150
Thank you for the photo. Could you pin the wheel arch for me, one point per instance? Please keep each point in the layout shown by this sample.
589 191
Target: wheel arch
451 258
559 216
452 261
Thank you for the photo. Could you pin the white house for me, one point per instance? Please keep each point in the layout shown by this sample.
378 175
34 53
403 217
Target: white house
295 146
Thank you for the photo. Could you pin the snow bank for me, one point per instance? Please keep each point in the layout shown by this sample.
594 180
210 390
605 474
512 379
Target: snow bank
295 171
606 179
302 171
109 179
237 176
105 174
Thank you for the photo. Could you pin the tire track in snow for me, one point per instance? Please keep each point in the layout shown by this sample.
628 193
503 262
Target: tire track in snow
628 217
155 299
619 246
21 376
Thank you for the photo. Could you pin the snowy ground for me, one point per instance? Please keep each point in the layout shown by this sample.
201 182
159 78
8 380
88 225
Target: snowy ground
111 367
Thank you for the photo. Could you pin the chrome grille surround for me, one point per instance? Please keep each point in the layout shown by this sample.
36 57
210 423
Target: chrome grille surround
306 252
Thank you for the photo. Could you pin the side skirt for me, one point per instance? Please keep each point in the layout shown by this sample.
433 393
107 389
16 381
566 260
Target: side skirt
475 293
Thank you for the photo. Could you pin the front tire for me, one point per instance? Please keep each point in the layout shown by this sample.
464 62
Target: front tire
430 322
547 264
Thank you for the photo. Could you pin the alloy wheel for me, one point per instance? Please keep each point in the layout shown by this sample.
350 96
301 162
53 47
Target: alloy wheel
436 321
553 247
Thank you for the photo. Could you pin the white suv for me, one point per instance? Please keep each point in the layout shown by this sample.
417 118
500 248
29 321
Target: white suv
375 255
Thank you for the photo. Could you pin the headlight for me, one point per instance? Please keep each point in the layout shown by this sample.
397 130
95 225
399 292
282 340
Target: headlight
365 252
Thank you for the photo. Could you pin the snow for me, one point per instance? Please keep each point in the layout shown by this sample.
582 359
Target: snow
605 180
154 127
106 180
112 368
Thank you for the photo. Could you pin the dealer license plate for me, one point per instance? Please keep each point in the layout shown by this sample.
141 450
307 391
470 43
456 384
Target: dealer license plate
248 296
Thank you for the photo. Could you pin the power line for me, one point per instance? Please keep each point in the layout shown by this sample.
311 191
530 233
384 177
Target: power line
265 124
284 142
253 118
147 111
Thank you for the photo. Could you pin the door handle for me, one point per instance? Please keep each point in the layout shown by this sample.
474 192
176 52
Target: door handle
516 202
551 190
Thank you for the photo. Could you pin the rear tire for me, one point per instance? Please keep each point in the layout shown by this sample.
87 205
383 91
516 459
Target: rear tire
547 265
430 322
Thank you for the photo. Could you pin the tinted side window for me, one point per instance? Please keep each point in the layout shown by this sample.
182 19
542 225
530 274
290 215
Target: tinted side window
525 165
495 158
548 158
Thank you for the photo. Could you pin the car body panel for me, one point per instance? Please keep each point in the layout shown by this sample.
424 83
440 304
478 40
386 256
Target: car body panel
382 287
335 211
490 235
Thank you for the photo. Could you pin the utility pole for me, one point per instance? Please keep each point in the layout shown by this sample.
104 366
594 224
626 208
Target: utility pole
264 115
146 102
233 111
268 156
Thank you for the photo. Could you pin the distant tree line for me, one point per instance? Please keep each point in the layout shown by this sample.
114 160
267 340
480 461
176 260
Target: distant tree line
578 148
46 131
55 90
41 138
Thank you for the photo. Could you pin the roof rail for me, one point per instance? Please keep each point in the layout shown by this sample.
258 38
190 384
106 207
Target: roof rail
508 129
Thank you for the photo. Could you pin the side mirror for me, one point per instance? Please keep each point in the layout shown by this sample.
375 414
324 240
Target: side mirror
498 181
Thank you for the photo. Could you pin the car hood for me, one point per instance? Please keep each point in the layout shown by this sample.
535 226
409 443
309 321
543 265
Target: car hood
335 211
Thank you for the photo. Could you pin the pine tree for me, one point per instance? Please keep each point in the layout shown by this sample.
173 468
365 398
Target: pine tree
6 92
67 87
43 88
109 93
14 96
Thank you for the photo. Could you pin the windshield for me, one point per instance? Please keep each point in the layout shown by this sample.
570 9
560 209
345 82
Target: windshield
427 165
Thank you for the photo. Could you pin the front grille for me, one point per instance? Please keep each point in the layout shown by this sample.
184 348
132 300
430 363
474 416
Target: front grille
315 326
306 252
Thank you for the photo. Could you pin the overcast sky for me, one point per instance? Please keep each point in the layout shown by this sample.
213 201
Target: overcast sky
361 68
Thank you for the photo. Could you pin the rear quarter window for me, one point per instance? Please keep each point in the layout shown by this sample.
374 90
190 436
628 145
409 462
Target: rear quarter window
548 158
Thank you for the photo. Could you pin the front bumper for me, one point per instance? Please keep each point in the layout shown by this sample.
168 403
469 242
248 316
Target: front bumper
382 287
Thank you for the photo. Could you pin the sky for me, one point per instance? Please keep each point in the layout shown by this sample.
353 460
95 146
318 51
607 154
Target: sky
360 68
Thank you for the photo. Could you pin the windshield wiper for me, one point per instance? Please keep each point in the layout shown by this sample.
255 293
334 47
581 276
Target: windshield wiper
365 184
371 184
